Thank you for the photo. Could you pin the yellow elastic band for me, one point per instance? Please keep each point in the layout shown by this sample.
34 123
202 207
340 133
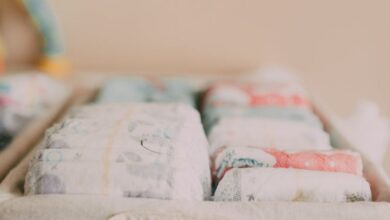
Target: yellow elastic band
108 152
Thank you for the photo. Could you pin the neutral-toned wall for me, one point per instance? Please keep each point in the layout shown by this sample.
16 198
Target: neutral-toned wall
341 48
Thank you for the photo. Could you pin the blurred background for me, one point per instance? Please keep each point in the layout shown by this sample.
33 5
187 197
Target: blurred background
341 49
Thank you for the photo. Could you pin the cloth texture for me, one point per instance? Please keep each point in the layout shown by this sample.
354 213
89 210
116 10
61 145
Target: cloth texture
143 150
142 89
261 133
331 161
280 184
287 100
266 133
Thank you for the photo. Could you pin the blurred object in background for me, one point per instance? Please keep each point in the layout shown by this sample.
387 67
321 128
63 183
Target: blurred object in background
2 56
53 59
24 97
132 89
52 56
368 130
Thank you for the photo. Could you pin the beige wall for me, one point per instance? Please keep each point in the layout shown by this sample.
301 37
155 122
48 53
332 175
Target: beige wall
341 48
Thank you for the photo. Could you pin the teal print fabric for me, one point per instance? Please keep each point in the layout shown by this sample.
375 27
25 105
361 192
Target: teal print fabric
142 89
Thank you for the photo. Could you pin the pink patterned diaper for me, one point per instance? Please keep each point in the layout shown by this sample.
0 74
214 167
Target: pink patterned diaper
227 158
332 161
256 94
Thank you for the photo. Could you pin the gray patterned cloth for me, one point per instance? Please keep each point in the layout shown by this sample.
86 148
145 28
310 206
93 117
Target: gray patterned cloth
139 150
270 99
280 184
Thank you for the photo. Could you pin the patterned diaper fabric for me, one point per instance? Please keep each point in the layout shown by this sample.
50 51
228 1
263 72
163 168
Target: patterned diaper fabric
140 150
24 97
141 89
279 184
266 144
277 94
213 114
286 100
331 161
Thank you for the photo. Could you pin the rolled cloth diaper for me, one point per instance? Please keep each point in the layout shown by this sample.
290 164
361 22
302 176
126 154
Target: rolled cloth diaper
266 133
142 89
332 161
212 115
279 184
285 100
277 94
140 150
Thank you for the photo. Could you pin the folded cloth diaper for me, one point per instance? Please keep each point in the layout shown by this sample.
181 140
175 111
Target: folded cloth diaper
279 184
140 89
24 97
276 94
131 150
266 133
211 115
332 161
148 180
283 100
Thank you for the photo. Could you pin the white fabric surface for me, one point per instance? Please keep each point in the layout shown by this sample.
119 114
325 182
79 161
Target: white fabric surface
266 133
280 184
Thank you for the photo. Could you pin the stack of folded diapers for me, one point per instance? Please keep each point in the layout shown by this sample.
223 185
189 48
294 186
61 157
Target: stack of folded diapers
266 144
142 138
